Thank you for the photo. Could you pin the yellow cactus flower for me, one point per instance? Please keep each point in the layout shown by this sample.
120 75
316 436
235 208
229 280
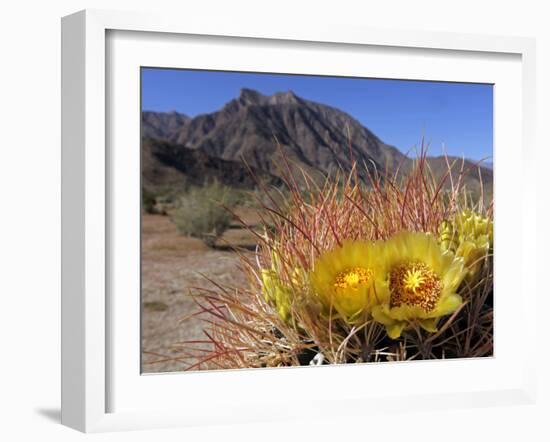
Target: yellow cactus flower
276 294
344 278
422 281
470 236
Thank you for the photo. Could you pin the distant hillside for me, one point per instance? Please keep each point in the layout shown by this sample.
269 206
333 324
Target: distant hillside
473 172
253 129
160 125
166 165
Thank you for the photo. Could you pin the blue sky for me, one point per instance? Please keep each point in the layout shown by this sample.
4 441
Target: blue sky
400 112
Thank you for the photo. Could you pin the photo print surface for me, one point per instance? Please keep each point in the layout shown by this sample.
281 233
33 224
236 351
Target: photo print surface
292 220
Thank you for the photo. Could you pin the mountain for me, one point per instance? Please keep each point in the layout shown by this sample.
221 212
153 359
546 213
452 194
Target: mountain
165 165
160 125
472 172
253 130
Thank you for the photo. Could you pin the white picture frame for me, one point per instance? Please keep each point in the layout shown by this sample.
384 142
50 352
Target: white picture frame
89 321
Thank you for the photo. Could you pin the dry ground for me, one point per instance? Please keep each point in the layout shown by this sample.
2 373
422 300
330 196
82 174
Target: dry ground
171 267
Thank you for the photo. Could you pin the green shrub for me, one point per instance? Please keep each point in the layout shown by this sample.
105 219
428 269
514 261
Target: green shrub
148 201
201 212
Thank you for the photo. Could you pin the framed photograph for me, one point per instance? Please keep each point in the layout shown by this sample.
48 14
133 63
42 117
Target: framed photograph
252 212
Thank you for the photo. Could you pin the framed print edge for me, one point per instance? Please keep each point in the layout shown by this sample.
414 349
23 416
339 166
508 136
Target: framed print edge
85 215
83 380
72 231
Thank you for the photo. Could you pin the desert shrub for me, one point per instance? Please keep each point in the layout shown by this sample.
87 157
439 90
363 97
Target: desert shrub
202 212
148 201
